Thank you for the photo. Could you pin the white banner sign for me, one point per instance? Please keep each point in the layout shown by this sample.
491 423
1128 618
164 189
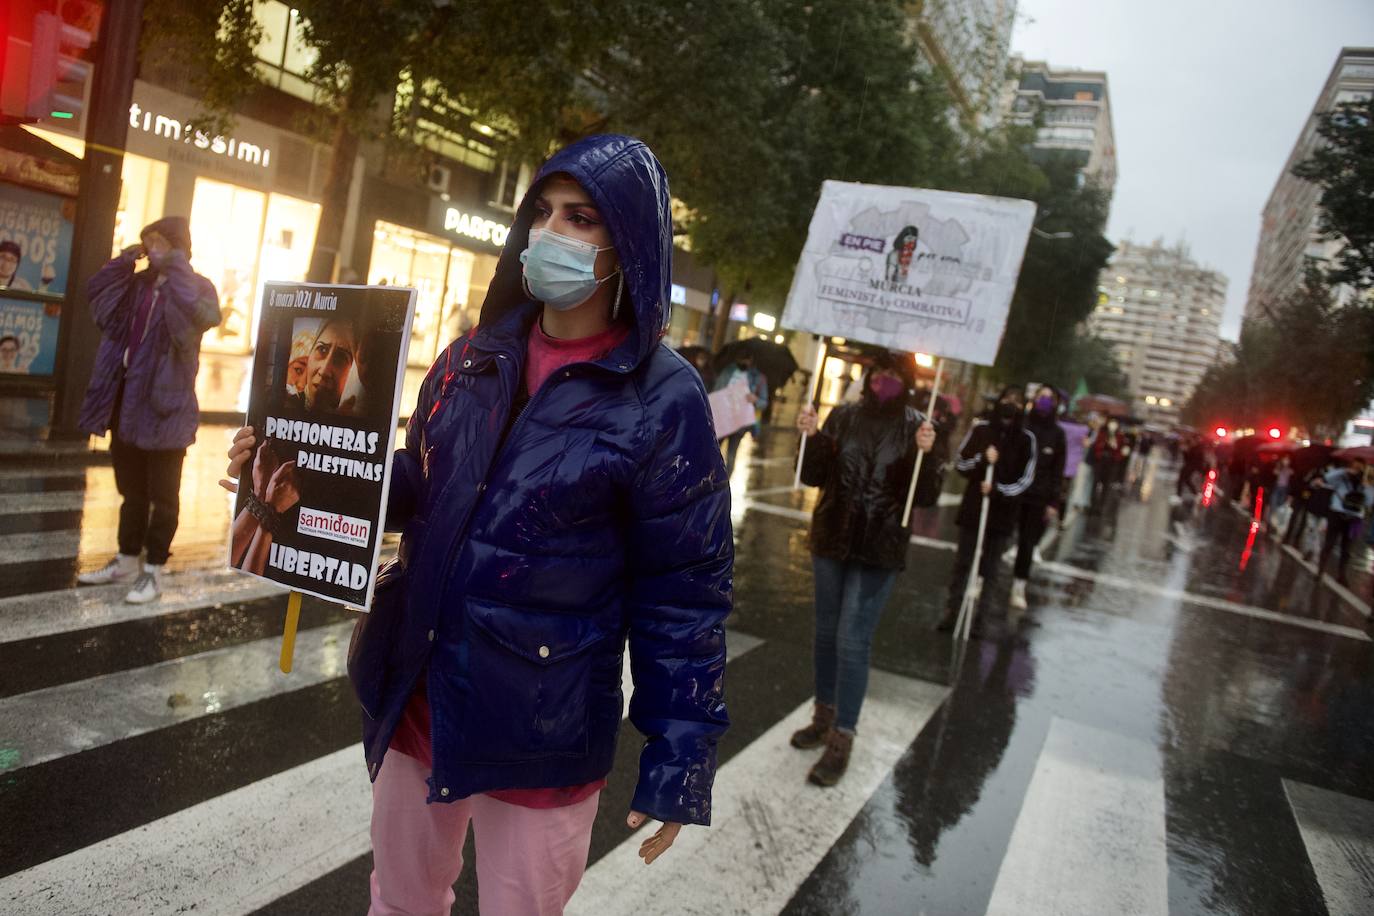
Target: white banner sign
910 269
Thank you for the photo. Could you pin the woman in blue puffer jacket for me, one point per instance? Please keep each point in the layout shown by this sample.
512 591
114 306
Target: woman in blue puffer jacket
560 493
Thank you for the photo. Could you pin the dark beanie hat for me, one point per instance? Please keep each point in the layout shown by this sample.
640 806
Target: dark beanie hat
12 247
175 229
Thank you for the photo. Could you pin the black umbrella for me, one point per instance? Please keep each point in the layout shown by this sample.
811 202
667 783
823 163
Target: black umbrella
775 361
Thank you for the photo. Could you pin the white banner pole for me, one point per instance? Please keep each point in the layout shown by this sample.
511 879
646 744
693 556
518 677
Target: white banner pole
974 588
920 455
810 401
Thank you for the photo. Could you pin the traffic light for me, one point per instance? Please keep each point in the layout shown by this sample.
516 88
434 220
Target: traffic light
46 65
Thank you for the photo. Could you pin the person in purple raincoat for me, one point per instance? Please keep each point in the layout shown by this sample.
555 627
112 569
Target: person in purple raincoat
143 392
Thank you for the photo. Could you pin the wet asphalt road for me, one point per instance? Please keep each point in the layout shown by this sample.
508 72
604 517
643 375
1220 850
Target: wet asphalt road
1184 724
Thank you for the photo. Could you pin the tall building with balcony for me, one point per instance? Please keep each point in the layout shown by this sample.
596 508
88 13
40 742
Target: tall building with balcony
1288 230
968 42
1161 312
1073 111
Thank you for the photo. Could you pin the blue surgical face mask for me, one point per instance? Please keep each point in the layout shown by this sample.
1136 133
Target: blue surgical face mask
561 272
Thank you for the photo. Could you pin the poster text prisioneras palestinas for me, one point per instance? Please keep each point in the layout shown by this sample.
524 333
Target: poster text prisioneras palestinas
326 387
910 269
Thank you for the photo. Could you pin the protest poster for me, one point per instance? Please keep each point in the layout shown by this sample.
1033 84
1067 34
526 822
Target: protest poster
326 387
910 269
35 240
28 336
731 410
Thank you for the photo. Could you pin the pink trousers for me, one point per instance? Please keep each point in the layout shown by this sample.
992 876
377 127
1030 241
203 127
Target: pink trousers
529 860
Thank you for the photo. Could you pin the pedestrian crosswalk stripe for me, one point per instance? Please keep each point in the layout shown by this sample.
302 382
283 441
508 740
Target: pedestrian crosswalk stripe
769 826
68 543
71 609
1338 831
1090 838
55 501
1207 601
231 854
54 472
46 724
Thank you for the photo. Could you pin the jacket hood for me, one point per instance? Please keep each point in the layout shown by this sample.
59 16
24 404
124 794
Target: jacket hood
628 185
175 229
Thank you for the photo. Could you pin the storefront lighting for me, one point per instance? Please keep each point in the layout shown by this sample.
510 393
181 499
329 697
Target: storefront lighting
834 368
765 322
64 115
925 360
475 227
778 339
1165 402
1151 399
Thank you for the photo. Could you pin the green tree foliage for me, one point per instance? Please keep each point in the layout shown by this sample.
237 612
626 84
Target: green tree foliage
1343 166
1308 365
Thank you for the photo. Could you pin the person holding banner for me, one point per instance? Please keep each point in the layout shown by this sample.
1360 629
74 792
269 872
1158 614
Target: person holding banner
143 392
560 490
862 460
1001 440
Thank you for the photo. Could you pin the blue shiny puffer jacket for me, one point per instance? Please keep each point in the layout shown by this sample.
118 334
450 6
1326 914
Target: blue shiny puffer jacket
534 547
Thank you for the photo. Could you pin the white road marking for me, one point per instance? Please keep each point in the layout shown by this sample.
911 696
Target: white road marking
1338 831
801 515
45 724
770 827
71 609
230 855
1090 838
69 543
1207 601
55 501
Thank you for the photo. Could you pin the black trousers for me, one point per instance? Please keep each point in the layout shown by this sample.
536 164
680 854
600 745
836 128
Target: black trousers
1029 530
1337 530
994 544
150 482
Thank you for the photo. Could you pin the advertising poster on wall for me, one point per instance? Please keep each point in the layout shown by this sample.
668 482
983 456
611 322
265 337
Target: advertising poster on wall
28 336
35 240
910 269
326 387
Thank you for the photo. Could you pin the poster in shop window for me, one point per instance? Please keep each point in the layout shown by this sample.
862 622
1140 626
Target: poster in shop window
326 389
910 269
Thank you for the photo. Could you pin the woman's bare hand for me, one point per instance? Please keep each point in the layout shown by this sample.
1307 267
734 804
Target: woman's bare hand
807 421
657 844
239 450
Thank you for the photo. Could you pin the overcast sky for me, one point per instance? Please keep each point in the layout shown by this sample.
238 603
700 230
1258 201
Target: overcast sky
1208 98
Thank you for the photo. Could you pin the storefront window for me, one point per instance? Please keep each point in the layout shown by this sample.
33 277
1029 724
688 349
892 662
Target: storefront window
287 241
404 257
141 198
226 234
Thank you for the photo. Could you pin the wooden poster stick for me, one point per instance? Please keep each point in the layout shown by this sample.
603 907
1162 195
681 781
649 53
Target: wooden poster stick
288 634
920 455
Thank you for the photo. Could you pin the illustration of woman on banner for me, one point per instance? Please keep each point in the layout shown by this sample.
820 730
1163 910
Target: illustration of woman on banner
560 494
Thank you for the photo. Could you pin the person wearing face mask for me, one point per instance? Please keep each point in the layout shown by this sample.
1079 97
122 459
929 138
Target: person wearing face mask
1001 440
862 460
1109 453
743 370
560 492
143 392
1040 504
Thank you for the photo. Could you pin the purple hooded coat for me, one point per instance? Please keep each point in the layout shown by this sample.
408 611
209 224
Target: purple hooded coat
159 410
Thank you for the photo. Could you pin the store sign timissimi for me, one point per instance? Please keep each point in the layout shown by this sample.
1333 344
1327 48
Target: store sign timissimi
173 129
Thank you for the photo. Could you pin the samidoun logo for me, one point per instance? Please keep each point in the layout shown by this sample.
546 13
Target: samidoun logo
334 527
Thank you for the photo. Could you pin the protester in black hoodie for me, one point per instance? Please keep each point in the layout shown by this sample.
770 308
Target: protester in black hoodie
863 461
1002 440
1041 502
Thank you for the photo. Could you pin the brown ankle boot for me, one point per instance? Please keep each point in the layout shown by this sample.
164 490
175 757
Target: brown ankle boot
814 735
830 768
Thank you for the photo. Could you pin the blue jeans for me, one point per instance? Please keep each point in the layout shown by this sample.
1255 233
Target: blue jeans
849 604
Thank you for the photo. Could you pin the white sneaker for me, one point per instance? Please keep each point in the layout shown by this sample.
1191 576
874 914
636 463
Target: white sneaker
1018 594
121 569
148 587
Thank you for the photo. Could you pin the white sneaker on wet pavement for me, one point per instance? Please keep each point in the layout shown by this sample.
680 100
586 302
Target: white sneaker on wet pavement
121 569
1018 594
148 586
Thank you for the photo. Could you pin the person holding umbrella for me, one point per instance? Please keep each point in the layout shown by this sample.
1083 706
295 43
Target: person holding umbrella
1001 441
1351 497
862 460
742 371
